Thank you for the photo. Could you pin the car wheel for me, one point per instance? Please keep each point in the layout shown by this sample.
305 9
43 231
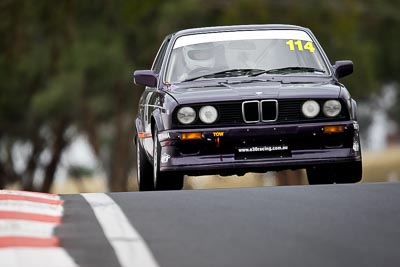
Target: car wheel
163 180
349 172
144 170
339 173
319 175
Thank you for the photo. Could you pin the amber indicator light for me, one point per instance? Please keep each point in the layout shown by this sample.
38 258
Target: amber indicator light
191 136
334 129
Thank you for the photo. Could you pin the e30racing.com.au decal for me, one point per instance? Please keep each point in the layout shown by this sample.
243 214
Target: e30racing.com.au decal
262 149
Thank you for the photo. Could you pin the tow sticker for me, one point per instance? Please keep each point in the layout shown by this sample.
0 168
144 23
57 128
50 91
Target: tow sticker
218 134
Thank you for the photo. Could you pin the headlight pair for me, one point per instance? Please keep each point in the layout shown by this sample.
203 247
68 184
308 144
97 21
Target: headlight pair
311 108
207 114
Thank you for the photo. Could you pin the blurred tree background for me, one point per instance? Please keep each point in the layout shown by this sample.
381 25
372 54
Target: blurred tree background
66 68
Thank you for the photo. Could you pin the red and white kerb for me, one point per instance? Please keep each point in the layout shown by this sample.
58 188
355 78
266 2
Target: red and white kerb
27 223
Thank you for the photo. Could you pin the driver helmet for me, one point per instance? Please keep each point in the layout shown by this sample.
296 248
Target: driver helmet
199 55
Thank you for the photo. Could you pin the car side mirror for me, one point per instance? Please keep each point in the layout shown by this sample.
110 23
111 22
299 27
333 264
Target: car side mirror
145 77
343 68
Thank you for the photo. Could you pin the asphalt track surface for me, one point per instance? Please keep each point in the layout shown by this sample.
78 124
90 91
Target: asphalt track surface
326 225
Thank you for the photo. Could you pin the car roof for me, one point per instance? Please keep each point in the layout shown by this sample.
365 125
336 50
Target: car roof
239 28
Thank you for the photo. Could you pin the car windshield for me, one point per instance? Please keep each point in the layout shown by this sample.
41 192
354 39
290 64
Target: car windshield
244 53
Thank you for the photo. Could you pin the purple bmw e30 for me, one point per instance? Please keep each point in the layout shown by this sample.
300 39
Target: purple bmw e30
237 99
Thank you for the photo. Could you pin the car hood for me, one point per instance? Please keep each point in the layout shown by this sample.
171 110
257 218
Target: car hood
202 93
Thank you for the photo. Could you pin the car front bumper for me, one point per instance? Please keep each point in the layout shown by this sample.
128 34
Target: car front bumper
258 148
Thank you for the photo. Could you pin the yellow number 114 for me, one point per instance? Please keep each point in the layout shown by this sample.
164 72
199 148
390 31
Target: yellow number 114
299 44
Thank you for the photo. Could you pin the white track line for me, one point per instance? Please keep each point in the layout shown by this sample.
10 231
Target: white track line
129 246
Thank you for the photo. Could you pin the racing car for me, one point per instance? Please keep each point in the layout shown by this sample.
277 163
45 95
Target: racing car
252 98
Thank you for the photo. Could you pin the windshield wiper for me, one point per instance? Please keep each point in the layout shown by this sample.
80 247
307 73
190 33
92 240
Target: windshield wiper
228 73
288 70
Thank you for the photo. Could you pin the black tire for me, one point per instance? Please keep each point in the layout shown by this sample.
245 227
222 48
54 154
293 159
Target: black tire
349 172
335 173
163 180
144 170
319 175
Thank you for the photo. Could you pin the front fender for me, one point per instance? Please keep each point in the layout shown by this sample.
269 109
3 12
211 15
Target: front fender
156 117
354 109
138 127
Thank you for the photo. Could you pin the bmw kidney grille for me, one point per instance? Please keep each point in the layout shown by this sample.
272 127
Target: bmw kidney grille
256 111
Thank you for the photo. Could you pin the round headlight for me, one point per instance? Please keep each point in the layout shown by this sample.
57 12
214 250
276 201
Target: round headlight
332 108
186 115
208 114
310 108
